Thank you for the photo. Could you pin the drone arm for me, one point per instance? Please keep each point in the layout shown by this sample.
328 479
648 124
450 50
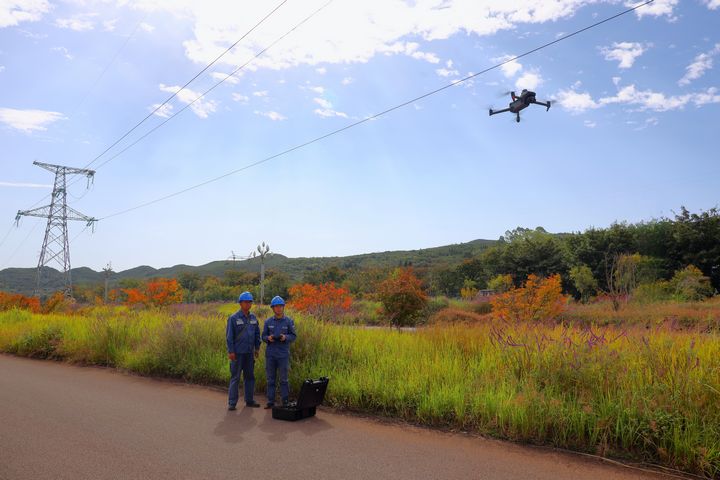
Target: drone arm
544 104
493 112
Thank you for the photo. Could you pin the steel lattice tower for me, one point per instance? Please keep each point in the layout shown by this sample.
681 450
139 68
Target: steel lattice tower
56 246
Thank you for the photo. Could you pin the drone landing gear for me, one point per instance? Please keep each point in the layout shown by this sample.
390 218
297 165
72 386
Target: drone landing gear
517 119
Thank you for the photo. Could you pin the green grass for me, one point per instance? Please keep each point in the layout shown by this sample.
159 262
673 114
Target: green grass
644 393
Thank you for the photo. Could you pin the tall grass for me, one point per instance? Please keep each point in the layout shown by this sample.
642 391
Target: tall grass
650 393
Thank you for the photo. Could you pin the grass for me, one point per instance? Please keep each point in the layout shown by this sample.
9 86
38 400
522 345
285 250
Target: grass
649 392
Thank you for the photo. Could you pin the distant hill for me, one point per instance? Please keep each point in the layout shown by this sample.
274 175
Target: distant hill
22 280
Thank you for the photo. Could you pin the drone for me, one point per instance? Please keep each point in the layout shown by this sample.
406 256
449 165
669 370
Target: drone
519 102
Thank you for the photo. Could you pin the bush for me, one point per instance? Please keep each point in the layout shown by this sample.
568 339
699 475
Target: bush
456 315
540 299
402 297
689 284
325 301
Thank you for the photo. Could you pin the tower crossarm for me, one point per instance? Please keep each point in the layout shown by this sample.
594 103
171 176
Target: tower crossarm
68 170
45 212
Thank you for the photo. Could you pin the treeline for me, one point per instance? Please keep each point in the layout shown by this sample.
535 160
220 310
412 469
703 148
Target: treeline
657 251
656 258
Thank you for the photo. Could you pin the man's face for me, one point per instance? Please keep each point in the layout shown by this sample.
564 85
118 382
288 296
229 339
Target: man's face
278 309
245 306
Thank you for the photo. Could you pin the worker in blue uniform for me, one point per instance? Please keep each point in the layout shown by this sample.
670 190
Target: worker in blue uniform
243 346
278 334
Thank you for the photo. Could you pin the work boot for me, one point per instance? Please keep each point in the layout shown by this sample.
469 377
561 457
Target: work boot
269 405
231 407
252 404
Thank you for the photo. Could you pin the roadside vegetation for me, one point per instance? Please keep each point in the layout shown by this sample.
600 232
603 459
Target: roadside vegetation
606 342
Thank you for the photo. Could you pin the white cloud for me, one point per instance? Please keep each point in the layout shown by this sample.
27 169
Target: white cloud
712 4
347 80
261 93
643 100
80 23
240 98
444 72
110 25
624 52
348 32
63 51
321 70
590 124
25 185
529 80
163 111
658 8
2 68
13 12
326 109
575 102
219 76
29 121
146 27
646 99
202 108
319 90
511 68
275 116
699 66
707 97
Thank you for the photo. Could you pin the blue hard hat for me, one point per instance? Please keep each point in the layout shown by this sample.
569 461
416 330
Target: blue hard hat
245 297
277 300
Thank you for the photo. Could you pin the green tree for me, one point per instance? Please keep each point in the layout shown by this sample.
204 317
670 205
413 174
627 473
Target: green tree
689 284
501 283
584 281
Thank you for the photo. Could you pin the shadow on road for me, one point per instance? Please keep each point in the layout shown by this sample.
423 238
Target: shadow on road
235 424
278 430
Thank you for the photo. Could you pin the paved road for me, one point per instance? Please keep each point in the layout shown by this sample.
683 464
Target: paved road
65 422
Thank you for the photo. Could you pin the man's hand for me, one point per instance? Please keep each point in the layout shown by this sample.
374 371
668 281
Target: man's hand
257 353
271 338
232 356
282 338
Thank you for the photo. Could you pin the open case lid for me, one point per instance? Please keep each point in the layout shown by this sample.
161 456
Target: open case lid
312 393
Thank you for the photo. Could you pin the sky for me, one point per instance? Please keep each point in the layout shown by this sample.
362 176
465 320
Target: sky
631 134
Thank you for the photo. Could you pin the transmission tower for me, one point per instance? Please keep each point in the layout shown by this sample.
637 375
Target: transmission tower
56 246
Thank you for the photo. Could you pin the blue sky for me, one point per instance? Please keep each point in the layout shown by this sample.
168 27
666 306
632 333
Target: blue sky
631 136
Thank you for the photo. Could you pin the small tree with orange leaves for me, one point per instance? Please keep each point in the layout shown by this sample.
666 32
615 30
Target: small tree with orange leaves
403 297
9 301
164 291
157 292
324 301
538 300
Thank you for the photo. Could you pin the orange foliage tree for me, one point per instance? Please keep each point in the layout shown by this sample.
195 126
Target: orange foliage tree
539 299
402 296
324 301
156 292
9 301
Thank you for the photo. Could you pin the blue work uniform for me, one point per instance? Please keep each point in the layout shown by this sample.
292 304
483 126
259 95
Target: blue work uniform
243 338
277 354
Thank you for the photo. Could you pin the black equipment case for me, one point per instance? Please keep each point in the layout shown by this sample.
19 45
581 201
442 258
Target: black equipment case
311 395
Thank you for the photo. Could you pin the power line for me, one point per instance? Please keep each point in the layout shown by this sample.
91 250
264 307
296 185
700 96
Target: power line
12 226
231 74
372 117
110 63
23 242
188 83
125 135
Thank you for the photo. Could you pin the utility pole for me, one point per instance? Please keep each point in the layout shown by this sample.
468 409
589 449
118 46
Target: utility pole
107 271
56 246
262 251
